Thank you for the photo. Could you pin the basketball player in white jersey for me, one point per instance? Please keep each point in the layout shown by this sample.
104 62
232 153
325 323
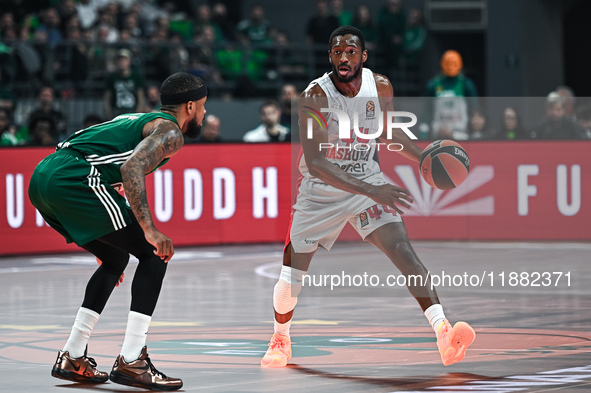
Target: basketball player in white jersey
339 187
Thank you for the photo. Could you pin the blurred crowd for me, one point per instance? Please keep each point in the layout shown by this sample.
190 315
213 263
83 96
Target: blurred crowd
68 40
127 47
453 110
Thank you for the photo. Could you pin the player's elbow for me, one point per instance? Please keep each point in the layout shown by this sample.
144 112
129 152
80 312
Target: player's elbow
315 166
129 169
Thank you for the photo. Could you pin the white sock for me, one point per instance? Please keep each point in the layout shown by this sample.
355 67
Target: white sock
435 315
282 328
135 335
81 331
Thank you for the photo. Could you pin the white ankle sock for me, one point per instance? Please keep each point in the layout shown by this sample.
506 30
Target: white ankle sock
81 331
435 315
135 335
282 328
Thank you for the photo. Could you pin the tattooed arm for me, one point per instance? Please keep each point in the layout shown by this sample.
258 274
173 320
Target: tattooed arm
163 140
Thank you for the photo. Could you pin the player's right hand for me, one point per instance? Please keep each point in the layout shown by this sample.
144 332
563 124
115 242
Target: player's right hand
391 195
162 244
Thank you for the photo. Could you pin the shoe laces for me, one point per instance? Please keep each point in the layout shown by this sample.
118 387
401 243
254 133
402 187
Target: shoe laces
154 370
91 361
277 343
445 329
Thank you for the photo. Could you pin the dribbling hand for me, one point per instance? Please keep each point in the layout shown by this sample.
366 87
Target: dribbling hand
391 195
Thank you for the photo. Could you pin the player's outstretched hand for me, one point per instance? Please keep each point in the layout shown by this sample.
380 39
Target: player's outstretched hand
120 278
391 195
162 243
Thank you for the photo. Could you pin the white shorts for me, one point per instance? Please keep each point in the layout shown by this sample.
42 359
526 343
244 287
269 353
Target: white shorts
321 212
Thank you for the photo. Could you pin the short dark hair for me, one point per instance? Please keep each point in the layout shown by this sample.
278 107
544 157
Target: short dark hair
180 82
269 103
344 30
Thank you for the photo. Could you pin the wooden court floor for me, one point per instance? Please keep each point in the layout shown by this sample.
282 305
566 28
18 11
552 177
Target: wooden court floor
530 304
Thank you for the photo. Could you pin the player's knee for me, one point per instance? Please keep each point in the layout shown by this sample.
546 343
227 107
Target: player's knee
283 299
401 249
116 264
153 264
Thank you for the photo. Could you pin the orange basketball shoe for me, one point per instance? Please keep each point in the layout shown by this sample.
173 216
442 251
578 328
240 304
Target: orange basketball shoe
82 369
279 351
453 341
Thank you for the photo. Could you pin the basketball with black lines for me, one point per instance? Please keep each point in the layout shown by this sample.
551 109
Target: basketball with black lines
444 164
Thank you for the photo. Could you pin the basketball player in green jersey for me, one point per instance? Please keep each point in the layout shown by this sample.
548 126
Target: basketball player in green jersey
76 191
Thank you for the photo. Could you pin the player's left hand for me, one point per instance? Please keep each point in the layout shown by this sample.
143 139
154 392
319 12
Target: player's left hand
391 195
120 278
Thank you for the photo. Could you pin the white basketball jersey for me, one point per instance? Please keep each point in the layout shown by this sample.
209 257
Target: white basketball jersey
356 156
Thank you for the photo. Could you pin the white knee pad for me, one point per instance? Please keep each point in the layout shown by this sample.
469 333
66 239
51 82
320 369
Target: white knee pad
287 289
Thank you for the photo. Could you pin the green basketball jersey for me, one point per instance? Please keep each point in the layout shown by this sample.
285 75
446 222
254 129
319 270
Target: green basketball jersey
108 145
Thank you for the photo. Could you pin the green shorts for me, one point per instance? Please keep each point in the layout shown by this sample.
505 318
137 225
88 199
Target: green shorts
75 200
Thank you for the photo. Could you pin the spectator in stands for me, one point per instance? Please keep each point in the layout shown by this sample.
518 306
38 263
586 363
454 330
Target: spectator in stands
7 26
289 62
569 100
338 9
162 27
66 10
220 17
288 92
87 12
52 119
124 90
70 23
584 120
51 25
204 19
511 127
7 99
256 29
76 64
391 26
21 10
321 25
149 14
106 29
455 96
202 57
210 132
92 119
269 130
152 99
478 128
414 37
557 125
362 20
40 132
10 134
178 55
28 62
131 23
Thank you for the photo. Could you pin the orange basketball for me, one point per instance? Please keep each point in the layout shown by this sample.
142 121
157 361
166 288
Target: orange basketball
444 164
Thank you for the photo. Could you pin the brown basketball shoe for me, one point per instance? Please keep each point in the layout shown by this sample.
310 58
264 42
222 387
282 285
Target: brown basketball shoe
142 373
82 369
